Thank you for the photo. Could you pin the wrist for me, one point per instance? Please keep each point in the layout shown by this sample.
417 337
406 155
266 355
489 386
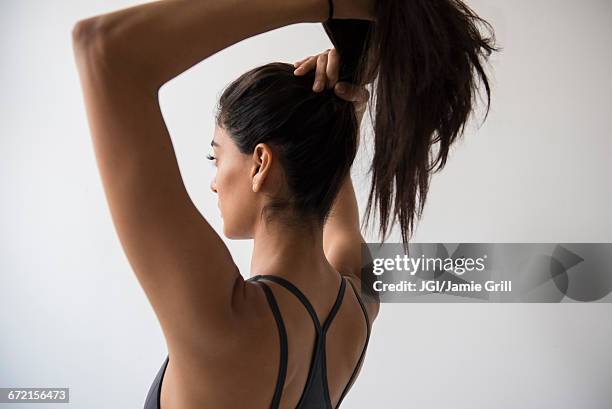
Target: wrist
310 11
354 9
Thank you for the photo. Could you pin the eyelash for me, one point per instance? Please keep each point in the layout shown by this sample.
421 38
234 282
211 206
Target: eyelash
210 157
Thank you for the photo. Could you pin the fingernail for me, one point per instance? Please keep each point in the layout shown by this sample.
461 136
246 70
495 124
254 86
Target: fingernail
317 85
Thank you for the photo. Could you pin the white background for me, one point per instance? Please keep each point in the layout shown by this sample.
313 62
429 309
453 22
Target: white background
73 315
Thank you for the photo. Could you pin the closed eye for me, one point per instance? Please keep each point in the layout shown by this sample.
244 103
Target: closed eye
210 157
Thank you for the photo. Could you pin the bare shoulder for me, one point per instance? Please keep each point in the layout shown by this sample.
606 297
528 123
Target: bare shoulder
251 314
247 319
244 353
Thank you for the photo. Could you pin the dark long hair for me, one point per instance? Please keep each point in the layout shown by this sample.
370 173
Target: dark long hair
423 59
315 134
428 56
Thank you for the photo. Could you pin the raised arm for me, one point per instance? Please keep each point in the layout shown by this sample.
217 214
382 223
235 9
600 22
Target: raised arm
159 40
342 238
123 58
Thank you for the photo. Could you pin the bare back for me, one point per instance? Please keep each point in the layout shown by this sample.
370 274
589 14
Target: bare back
273 355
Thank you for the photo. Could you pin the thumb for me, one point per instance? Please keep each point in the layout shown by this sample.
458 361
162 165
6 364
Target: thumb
351 92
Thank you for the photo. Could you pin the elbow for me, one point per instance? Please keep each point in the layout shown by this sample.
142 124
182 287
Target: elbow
84 33
91 38
100 48
81 32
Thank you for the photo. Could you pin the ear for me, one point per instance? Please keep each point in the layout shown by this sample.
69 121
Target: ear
262 163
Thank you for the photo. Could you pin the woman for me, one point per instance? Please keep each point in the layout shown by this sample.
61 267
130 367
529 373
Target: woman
295 333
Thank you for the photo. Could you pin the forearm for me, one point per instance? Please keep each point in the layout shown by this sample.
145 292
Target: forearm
161 39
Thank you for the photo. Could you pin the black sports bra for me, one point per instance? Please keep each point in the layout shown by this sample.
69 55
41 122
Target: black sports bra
316 393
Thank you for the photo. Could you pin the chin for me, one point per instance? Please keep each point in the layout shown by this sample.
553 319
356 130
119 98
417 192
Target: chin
228 232
234 234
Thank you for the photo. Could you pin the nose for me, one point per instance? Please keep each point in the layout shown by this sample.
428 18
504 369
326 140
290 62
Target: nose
213 185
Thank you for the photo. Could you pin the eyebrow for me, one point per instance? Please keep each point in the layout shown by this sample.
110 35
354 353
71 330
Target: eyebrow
213 143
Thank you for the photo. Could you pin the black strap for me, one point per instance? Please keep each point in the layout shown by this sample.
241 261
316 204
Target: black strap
352 378
296 291
328 321
331 10
282 371
321 329
319 356
336 305
320 335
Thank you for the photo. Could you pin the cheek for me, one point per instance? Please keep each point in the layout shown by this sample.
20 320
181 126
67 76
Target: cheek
233 190
236 203
226 180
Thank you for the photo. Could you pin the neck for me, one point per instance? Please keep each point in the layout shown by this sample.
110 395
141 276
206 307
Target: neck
288 251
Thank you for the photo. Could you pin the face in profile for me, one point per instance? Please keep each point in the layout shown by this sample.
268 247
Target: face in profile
238 183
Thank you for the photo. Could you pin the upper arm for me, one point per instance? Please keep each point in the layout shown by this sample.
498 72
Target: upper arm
341 234
181 263
343 241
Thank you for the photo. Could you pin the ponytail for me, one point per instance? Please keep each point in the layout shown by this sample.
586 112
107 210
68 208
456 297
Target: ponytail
424 59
